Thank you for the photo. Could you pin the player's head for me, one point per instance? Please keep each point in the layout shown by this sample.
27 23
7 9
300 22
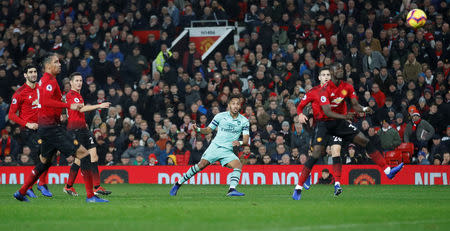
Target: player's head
30 73
324 75
234 104
52 64
76 81
338 71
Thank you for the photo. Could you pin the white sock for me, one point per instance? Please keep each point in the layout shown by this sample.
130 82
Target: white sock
232 187
298 187
337 183
387 170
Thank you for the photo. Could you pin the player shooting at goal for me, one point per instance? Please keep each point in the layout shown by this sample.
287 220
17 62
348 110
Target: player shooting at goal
230 125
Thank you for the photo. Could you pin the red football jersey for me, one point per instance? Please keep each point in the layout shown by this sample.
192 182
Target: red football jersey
25 101
76 119
335 96
311 97
50 96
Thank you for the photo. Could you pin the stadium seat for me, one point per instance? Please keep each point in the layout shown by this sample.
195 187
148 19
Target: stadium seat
393 157
406 150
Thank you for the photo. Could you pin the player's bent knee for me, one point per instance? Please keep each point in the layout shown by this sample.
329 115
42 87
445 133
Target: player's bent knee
77 161
202 164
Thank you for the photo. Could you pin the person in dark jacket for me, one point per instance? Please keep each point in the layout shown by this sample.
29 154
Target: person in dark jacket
326 178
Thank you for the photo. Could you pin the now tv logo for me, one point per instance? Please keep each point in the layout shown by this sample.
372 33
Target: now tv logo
431 178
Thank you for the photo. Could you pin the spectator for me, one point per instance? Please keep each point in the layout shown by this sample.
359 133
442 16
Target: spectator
267 160
125 160
140 160
109 159
422 158
8 146
166 153
115 54
295 156
379 96
418 131
252 160
133 151
285 159
197 152
389 137
280 151
399 125
8 161
326 178
412 68
162 57
25 160
181 153
372 59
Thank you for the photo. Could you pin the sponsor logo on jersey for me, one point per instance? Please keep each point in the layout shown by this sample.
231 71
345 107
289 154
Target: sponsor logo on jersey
337 101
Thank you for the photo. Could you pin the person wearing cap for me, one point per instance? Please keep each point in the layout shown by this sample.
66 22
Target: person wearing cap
418 130
125 160
140 160
422 158
399 125
151 147
389 137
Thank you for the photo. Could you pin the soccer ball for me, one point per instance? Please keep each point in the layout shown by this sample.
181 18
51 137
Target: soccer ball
416 18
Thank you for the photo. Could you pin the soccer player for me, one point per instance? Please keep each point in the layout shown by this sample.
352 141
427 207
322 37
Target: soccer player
25 103
53 136
76 125
230 125
334 141
333 120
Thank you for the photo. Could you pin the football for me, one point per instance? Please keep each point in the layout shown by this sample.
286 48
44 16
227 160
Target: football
416 18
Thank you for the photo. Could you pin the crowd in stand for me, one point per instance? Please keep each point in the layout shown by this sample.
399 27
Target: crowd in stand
401 73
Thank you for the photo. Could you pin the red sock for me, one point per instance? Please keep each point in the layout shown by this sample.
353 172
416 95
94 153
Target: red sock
87 176
43 179
337 169
72 174
378 159
95 175
29 182
305 173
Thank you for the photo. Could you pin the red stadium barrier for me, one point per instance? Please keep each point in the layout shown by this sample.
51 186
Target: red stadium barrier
256 174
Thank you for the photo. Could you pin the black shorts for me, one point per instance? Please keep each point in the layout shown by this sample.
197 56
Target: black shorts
56 138
30 138
84 137
338 128
334 140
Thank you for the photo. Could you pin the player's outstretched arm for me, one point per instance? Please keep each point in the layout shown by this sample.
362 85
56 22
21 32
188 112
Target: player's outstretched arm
86 108
358 108
204 131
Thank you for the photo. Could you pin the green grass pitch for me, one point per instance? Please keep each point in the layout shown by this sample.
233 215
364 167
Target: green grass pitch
149 207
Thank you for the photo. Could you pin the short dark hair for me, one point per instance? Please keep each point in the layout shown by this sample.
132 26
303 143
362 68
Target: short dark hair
48 58
234 96
325 68
71 76
28 67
